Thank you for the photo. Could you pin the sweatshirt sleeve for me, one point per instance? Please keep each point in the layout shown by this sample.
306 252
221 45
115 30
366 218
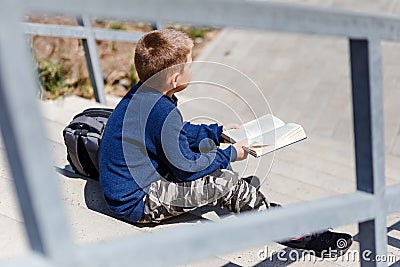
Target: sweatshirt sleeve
196 133
184 163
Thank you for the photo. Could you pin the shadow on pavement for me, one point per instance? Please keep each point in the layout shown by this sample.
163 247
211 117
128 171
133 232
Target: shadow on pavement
394 242
95 201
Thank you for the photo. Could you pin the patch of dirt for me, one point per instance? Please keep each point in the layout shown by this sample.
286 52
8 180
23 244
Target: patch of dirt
116 58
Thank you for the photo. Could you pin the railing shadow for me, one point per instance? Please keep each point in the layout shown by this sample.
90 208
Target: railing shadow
93 195
394 242
94 200
391 241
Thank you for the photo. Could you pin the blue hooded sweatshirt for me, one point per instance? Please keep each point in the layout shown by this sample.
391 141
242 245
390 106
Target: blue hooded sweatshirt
145 138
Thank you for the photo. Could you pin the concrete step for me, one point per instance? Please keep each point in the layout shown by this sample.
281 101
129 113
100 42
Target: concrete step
62 110
13 241
71 189
9 206
54 131
340 152
313 169
299 189
89 226
57 155
84 203
276 196
309 178
314 162
213 261
325 167
59 113
334 149
86 227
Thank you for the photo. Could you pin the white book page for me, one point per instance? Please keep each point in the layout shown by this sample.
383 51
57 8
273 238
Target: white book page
297 133
284 133
255 128
283 136
273 138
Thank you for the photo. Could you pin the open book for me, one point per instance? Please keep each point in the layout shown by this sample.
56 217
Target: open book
265 134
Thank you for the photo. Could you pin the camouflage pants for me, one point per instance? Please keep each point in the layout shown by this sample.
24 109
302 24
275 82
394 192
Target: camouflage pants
222 187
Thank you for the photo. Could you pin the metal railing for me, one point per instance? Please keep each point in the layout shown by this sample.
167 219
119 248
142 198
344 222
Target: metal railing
46 222
89 35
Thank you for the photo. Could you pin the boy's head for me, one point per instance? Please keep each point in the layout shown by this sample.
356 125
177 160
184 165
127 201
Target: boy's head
162 49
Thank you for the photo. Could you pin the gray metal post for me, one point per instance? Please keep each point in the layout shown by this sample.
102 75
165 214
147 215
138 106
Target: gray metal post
92 59
25 142
158 25
366 77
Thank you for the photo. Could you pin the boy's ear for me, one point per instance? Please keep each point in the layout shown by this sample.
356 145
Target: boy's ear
174 79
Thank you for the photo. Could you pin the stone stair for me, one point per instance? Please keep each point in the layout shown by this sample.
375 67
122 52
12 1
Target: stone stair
316 168
305 79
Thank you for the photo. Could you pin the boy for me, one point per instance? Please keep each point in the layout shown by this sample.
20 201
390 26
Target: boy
154 166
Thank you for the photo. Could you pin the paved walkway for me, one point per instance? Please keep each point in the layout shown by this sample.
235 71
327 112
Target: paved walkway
304 78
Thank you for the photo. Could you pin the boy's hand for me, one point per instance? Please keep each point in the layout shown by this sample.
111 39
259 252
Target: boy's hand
231 126
241 153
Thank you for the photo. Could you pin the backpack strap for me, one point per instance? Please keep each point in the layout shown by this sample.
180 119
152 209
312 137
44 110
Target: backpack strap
98 126
71 140
92 147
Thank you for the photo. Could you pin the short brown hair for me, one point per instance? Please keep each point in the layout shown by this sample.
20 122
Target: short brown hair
161 49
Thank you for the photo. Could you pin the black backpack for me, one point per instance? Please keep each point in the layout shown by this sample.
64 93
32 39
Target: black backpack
82 138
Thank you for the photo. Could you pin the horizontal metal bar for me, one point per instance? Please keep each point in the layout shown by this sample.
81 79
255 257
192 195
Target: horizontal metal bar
235 13
79 32
244 231
54 30
115 35
34 260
